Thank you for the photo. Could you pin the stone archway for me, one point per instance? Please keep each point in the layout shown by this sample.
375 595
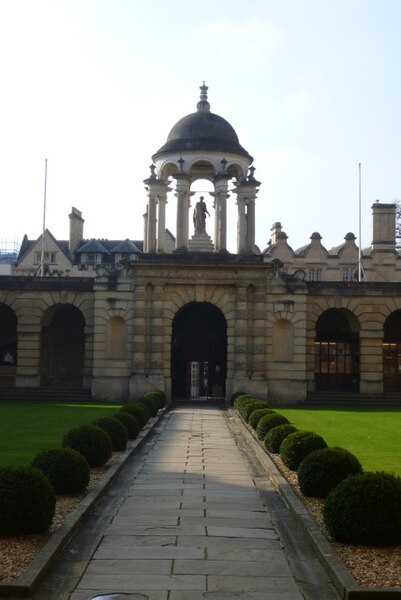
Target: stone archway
62 352
8 345
199 352
392 353
337 351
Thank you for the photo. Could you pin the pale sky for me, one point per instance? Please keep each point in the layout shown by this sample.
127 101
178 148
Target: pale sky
312 88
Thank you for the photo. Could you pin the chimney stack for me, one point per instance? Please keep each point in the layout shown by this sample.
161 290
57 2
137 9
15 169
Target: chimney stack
76 229
275 230
384 218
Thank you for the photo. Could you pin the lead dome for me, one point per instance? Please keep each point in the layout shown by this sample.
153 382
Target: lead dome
202 131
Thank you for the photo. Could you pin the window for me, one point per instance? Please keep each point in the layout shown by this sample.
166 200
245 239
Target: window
48 257
314 274
348 273
91 258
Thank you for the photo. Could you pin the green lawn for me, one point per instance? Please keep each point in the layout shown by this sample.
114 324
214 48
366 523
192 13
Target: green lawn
26 428
373 435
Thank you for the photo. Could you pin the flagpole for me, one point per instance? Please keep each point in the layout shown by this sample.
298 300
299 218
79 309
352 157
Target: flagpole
42 254
360 228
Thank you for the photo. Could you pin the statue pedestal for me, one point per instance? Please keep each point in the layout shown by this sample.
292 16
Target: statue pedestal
200 242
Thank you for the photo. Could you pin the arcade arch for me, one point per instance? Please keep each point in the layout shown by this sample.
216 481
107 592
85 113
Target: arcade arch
199 352
337 351
8 345
62 351
392 353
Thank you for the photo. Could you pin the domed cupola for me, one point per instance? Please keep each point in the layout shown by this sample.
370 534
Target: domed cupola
202 131
201 145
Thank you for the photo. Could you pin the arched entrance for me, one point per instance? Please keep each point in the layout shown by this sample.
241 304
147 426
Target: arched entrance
8 345
337 351
62 355
392 353
199 352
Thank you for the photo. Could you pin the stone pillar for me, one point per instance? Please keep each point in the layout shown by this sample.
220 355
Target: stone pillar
161 226
183 203
151 233
220 205
241 225
250 222
246 194
150 236
145 230
155 219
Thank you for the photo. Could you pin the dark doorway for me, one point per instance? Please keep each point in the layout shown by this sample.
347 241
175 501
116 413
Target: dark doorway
199 352
392 353
8 345
62 347
337 351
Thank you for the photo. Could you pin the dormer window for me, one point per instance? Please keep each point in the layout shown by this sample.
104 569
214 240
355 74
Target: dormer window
91 258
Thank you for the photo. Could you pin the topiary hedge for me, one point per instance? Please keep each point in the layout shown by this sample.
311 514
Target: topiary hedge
298 445
257 414
276 435
234 396
242 400
117 431
130 423
92 442
138 411
157 396
248 409
268 422
66 469
365 509
27 501
323 469
150 404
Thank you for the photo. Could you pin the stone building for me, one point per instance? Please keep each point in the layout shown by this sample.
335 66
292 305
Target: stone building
182 314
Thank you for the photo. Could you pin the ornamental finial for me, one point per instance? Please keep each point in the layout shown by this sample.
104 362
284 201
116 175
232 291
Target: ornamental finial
203 104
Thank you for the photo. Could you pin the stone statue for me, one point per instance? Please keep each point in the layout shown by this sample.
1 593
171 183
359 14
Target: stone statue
200 212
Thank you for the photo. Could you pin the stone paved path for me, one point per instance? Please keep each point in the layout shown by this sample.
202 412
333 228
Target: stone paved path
192 526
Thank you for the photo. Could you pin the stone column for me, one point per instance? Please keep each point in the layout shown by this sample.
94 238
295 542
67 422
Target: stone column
145 230
250 222
151 233
183 203
246 194
150 236
220 205
241 225
155 217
